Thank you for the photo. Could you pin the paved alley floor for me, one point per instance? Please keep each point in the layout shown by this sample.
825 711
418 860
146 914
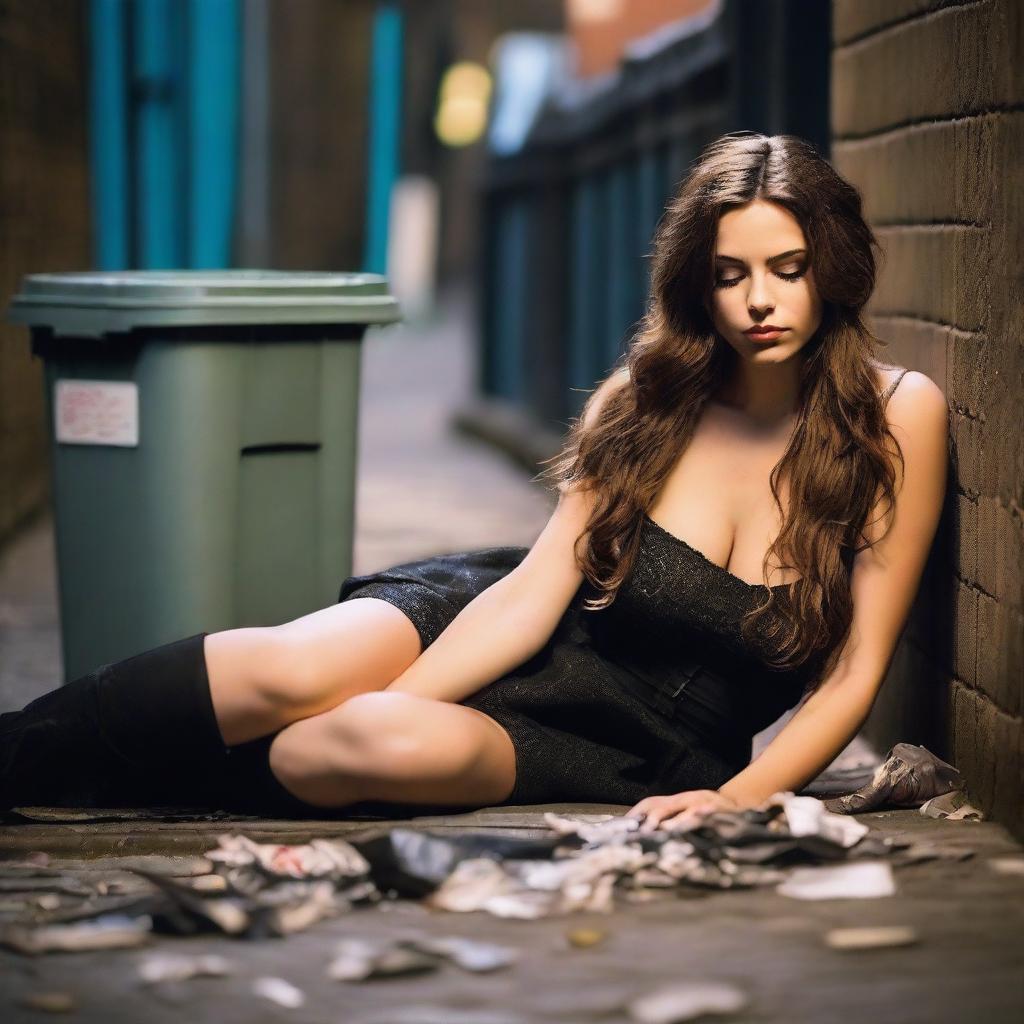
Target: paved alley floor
966 964
424 490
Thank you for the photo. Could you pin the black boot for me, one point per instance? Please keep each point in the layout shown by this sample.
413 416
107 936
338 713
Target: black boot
135 733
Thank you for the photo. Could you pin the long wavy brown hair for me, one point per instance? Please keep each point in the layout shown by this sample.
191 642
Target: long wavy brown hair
839 464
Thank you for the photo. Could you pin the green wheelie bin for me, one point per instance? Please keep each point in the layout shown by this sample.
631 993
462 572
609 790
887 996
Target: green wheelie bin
203 442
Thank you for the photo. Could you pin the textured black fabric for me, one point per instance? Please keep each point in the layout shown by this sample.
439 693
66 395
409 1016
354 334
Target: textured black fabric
655 694
134 732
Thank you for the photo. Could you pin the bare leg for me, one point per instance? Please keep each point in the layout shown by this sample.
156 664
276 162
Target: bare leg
263 678
396 747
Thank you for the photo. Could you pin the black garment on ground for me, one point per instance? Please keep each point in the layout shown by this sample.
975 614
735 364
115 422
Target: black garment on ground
657 693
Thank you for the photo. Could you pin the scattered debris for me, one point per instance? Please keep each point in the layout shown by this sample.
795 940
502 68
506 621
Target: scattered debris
331 859
426 1014
908 777
469 954
918 852
208 883
808 817
687 1001
255 890
878 937
279 991
49 1002
585 938
359 959
110 931
171 967
186 912
862 880
952 805
46 882
1007 865
174 867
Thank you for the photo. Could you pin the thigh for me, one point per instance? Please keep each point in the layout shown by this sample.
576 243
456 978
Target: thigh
263 678
396 747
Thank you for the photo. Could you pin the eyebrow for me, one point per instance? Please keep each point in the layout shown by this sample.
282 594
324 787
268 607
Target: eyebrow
771 259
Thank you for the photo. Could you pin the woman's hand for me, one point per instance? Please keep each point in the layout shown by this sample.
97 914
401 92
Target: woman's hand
684 808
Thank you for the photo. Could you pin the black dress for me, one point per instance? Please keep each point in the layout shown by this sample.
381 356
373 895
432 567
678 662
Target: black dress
657 693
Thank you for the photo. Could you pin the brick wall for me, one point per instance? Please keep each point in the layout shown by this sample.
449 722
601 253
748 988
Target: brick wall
928 122
44 213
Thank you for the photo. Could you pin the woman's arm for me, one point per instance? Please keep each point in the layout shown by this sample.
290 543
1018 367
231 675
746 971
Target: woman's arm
515 617
510 621
884 583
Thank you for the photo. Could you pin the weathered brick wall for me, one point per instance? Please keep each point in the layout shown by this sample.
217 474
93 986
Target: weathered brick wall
928 122
44 215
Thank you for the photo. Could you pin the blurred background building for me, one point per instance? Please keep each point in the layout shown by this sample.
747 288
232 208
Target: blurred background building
517 156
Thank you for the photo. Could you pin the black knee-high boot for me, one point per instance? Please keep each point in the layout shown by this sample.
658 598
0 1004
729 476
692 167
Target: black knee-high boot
138 732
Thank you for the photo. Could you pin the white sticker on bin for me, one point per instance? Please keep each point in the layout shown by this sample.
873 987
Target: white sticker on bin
96 412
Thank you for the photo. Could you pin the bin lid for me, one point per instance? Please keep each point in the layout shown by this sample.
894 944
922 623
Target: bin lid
94 303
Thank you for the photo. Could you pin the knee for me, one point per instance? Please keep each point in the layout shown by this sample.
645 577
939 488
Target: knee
362 738
377 726
292 677
396 736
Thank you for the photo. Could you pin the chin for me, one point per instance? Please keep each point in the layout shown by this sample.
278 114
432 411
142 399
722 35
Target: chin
773 353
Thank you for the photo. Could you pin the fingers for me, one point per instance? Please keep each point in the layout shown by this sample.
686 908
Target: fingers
690 816
676 810
681 808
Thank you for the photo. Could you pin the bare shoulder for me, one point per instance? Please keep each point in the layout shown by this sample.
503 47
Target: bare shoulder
918 417
918 406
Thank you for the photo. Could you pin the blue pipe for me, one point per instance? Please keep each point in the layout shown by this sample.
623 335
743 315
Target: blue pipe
213 115
158 178
385 132
108 136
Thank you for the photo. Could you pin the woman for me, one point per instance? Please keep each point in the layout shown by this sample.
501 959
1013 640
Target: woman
746 506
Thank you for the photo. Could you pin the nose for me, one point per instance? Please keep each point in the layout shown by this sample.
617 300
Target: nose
759 302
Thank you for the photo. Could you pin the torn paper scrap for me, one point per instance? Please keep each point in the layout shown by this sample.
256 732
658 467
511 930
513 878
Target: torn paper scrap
857 880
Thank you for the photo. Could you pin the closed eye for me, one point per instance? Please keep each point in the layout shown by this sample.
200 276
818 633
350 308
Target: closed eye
728 282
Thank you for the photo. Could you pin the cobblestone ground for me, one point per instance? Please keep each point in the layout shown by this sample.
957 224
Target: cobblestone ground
422 491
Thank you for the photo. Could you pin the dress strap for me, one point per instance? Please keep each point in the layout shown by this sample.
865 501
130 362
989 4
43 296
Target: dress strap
887 394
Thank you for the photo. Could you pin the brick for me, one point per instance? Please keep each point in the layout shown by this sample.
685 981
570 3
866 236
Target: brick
966 538
970 753
965 647
1007 741
956 61
951 164
1010 558
936 272
853 18
968 437
1000 552
918 344
1003 457
967 371
1000 653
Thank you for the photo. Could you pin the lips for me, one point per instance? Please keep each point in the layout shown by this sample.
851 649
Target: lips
765 329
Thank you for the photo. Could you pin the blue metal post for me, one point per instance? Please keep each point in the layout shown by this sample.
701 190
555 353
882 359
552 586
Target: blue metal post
108 136
213 101
385 131
512 242
158 178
